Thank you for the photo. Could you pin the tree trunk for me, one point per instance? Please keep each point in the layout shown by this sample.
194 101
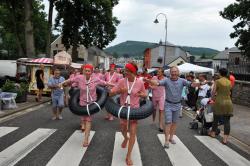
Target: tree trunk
20 47
29 33
75 45
74 53
48 47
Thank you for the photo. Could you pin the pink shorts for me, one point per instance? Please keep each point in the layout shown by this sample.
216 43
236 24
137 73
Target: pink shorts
124 121
158 103
86 118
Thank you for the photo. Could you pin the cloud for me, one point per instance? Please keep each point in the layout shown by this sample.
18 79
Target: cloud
193 22
190 22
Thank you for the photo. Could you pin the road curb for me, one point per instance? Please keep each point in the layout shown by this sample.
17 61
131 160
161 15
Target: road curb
10 112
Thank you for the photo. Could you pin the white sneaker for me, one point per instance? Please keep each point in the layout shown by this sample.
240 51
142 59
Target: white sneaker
60 117
53 118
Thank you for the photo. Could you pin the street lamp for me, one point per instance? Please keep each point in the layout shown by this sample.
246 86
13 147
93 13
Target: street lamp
166 21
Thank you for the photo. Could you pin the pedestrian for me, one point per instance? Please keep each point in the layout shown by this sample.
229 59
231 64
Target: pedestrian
39 82
147 76
131 89
75 72
87 83
191 95
203 90
98 74
223 107
158 97
112 78
173 91
232 80
57 94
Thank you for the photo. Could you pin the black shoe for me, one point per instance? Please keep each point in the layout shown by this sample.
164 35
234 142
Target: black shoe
160 130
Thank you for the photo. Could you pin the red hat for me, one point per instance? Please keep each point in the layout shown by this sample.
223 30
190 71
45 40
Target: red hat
131 67
88 66
112 65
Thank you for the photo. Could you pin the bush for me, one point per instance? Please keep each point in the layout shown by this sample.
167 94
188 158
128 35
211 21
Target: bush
10 86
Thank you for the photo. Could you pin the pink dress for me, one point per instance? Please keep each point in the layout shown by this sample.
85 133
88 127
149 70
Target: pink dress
113 79
74 84
81 82
99 75
134 98
158 95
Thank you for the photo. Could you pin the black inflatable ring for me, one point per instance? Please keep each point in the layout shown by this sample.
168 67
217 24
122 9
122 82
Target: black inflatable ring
146 109
75 107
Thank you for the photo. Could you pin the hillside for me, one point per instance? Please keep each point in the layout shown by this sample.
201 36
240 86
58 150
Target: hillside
136 49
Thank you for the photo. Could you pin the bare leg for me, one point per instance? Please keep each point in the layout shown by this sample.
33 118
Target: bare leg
54 112
172 130
87 131
167 131
124 130
161 119
132 138
40 94
154 114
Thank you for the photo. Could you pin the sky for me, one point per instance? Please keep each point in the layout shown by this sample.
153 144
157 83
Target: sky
194 23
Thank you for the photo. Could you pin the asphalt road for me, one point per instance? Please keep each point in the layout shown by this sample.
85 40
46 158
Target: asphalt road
100 150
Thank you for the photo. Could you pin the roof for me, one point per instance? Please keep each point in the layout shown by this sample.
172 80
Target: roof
94 50
171 59
42 60
223 55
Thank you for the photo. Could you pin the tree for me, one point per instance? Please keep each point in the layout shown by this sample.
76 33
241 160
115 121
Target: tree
203 56
12 19
239 11
90 23
49 33
29 33
115 55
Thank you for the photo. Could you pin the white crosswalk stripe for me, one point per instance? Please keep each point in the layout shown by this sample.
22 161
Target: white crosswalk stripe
119 154
229 156
6 130
179 153
20 149
64 155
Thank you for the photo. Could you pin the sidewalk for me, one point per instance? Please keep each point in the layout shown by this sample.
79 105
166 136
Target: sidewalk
23 106
240 123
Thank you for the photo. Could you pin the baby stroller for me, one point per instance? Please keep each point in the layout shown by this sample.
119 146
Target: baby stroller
204 116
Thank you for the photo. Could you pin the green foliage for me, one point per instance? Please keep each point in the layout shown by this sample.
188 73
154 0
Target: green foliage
11 86
239 11
12 28
137 48
86 22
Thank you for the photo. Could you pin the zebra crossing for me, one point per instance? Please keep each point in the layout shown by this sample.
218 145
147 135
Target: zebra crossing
178 154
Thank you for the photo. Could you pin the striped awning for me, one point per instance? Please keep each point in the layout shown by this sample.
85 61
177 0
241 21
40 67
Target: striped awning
42 60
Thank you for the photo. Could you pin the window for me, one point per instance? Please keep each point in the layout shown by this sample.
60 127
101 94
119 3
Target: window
237 61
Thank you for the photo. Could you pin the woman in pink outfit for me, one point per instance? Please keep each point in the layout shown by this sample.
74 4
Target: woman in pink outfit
75 73
135 87
112 78
158 98
87 79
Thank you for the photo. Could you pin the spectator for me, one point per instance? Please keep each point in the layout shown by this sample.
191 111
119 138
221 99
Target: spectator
191 94
203 90
223 107
232 80
40 82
